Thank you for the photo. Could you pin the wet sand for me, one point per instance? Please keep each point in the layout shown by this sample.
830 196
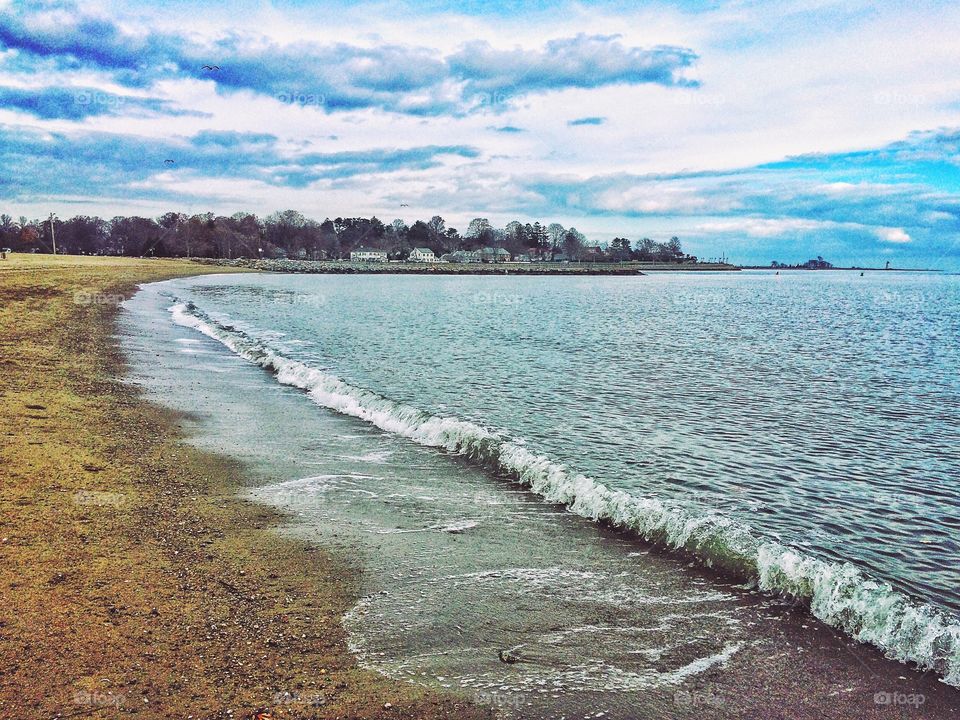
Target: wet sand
458 566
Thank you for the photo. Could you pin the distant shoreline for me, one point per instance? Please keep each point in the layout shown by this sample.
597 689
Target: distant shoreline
508 268
861 269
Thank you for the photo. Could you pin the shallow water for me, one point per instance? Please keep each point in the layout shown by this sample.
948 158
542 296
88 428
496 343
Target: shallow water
621 397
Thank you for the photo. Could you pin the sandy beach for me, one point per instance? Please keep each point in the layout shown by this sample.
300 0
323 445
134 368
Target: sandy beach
133 580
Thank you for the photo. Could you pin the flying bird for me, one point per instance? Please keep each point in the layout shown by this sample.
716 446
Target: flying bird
211 67
404 205
168 162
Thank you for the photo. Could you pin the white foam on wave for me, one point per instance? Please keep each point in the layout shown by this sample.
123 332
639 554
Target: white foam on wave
839 594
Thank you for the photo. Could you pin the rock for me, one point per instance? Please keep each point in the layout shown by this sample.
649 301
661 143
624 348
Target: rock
507 656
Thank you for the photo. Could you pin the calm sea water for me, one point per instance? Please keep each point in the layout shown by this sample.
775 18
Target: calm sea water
822 409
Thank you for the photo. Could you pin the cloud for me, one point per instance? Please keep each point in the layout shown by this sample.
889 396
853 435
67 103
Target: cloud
338 76
232 140
587 121
78 103
764 227
847 203
316 166
893 235
97 163
837 188
507 129
583 61
915 152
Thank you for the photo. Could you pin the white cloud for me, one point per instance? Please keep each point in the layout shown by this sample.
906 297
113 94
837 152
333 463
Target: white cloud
893 235
764 227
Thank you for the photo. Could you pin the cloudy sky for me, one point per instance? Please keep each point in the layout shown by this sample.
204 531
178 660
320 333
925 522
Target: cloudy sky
763 130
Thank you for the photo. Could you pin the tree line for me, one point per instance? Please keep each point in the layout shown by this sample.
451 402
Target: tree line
289 234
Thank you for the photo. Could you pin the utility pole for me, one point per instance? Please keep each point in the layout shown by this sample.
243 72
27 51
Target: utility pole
53 237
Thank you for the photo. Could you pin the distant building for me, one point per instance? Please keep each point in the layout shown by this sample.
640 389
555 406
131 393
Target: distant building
522 258
365 254
422 254
463 256
592 253
494 255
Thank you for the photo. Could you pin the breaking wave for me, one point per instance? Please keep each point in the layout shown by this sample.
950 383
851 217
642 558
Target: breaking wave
839 594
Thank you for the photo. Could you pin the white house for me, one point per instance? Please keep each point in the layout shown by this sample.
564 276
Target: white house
422 254
365 254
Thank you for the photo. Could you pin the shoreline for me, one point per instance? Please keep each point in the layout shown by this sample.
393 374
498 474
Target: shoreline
847 269
135 579
338 267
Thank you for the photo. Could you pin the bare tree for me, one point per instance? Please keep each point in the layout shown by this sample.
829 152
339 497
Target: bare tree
555 234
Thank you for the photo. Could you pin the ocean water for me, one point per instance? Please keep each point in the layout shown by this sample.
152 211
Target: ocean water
797 432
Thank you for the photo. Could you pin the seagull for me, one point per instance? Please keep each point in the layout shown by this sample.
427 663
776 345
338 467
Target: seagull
169 162
211 67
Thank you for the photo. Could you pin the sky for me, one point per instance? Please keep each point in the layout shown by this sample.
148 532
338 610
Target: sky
756 130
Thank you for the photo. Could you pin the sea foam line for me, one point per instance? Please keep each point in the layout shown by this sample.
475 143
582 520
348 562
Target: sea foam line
839 594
